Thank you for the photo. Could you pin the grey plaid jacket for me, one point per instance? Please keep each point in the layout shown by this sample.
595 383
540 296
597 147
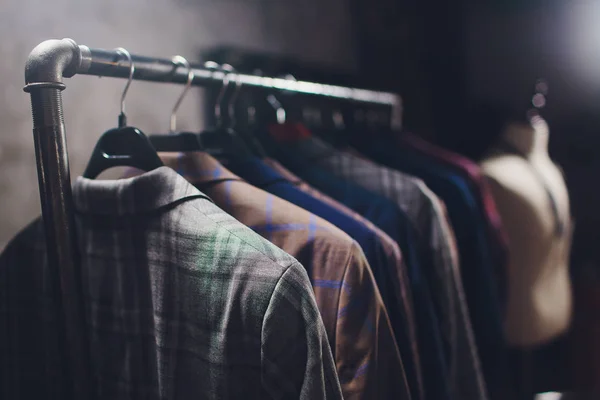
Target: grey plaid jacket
182 302
427 213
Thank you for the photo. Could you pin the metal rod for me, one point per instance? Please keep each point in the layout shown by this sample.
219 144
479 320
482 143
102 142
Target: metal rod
46 65
106 63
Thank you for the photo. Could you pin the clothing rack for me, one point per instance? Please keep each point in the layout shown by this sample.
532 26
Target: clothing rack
47 64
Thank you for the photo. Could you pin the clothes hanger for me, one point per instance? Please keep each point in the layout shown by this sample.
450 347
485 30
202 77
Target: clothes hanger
364 124
222 142
249 139
124 145
283 123
178 141
319 118
335 130
272 113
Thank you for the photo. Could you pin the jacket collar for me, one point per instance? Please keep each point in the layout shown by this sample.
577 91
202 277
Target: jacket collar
135 195
197 167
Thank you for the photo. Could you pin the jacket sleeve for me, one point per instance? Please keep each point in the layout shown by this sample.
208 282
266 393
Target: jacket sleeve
367 355
297 362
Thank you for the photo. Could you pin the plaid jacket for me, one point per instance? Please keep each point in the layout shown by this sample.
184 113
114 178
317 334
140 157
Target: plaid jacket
182 301
477 257
405 330
366 355
428 215
471 172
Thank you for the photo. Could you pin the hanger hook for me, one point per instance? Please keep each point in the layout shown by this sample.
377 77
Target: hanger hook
122 116
233 97
180 61
213 66
228 69
278 107
280 110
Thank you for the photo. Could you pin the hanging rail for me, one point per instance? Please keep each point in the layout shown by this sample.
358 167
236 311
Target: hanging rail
106 63
47 64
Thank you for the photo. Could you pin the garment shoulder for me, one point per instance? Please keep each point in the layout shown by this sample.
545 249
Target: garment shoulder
25 246
416 196
305 228
27 236
363 371
358 279
384 211
296 358
24 276
293 284
331 236
327 231
355 264
222 233
427 209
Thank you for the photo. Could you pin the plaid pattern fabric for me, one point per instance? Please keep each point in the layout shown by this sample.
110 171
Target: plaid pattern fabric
181 301
395 263
427 213
472 173
477 258
366 355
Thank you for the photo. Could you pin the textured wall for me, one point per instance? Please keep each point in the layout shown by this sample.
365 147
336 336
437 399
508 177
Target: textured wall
313 30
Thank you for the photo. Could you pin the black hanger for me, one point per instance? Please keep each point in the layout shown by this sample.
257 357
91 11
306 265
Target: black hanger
222 141
122 146
269 111
366 124
336 130
178 141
